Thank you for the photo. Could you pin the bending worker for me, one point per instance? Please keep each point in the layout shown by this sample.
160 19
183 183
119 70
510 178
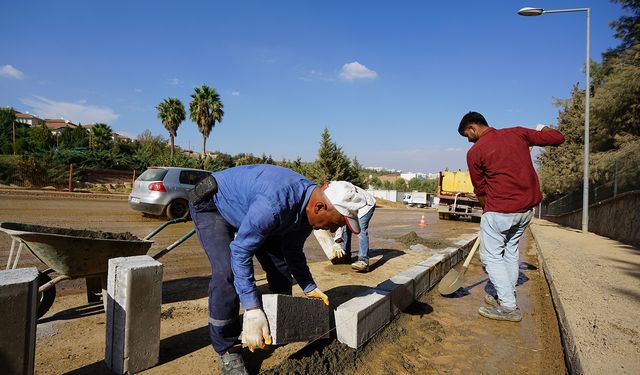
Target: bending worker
507 187
272 210
343 237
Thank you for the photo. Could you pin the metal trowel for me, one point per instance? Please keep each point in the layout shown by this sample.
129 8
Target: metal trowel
453 280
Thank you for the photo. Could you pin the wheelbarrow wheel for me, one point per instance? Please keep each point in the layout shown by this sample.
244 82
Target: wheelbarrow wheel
46 298
177 209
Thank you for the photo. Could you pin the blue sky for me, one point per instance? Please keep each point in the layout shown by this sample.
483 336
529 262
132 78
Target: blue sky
390 80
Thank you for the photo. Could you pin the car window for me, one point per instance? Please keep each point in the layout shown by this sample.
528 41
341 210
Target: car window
153 174
192 177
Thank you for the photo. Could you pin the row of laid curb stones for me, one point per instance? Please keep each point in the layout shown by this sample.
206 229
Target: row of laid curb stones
360 318
571 353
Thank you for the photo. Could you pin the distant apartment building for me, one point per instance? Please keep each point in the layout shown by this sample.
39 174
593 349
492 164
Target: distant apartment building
382 169
410 175
120 137
29 119
56 125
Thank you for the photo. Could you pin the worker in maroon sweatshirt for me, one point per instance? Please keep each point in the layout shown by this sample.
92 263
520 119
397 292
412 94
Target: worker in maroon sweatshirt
507 187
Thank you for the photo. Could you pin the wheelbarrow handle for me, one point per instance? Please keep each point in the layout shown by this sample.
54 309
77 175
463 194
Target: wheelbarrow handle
162 252
164 225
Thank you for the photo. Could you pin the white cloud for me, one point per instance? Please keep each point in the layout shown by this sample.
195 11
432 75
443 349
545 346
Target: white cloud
11 72
235 93
454 149
137 90
74 112
355 70
174 81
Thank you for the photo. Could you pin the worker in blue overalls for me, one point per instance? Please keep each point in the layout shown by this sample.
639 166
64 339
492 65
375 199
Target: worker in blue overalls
272 210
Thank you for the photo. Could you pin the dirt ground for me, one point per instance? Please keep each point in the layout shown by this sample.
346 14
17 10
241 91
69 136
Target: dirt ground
436 334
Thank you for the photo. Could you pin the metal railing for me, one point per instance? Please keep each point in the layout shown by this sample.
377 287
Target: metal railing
619 179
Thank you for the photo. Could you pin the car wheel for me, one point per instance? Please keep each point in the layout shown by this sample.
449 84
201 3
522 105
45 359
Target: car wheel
46 298
177 209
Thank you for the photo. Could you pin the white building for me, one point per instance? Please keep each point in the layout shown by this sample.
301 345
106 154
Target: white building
28 119
383 169
409 175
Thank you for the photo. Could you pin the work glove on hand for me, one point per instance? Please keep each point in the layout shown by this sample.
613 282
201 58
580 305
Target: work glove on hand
255 329
317 293
337 251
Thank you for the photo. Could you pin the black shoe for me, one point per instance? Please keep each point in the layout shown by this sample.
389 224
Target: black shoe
232 364
501 313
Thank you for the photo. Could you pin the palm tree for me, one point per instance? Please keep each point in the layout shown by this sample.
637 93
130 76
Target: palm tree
171 112
205 109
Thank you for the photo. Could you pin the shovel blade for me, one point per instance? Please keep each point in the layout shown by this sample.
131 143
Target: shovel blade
451 282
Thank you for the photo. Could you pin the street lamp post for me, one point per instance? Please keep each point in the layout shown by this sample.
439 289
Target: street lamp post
527 11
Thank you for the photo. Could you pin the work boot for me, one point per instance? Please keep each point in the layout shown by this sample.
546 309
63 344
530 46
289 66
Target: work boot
232 364
501 313
491 300
360 266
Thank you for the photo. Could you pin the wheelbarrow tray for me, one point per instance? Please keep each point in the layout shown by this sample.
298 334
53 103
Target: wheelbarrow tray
76 253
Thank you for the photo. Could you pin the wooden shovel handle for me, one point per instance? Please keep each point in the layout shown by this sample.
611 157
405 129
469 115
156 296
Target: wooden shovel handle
473 250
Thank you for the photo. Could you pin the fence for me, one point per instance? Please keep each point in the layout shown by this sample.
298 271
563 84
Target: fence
66 178
619 179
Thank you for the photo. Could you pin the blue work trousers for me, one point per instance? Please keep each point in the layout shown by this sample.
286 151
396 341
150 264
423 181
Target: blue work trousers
215 235
363 238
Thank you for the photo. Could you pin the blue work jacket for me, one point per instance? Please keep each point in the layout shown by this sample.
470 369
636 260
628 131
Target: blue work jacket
262 201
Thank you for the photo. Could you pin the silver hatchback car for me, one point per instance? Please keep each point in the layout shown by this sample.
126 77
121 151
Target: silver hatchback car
163 190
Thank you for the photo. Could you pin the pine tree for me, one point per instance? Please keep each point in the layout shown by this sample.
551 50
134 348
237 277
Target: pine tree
332 164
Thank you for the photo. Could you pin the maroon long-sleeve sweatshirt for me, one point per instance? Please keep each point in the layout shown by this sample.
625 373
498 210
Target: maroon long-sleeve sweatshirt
501 168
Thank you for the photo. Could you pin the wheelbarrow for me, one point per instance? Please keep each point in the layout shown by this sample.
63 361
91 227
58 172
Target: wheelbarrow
75 254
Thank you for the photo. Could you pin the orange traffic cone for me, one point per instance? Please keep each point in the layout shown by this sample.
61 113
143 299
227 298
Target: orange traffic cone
422 222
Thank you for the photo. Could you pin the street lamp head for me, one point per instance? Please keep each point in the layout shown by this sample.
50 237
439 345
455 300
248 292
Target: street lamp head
529 12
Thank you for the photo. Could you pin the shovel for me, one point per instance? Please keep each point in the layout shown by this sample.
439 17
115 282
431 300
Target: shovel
453 280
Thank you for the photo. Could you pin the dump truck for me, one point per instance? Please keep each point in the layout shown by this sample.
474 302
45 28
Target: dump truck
456 197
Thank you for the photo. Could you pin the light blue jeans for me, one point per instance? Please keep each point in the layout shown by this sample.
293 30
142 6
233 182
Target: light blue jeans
363 238
500 234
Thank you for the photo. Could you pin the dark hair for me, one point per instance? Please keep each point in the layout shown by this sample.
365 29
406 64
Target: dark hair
471 118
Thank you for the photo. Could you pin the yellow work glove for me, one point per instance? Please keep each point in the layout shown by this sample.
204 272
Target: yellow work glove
255 329
337 251
317 293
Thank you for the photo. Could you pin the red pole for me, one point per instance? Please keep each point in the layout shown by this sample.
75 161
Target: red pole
70 177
